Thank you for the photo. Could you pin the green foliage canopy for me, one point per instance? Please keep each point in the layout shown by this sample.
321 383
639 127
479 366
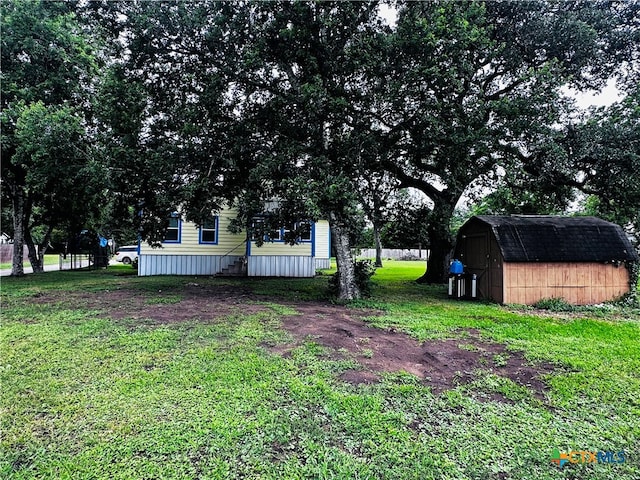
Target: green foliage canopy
49 176
474 89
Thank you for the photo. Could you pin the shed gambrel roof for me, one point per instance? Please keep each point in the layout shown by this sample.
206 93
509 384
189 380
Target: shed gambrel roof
542 238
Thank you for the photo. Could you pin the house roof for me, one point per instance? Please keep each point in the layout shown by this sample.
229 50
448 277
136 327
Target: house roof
546 238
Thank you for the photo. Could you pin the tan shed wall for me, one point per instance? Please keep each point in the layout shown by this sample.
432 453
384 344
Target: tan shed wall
577 283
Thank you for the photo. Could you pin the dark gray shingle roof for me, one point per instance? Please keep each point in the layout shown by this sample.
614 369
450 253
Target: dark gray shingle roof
542 238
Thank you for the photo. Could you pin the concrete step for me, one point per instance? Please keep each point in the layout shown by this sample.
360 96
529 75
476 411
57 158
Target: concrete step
236 269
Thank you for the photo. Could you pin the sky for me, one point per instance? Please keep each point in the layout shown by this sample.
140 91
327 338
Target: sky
607 96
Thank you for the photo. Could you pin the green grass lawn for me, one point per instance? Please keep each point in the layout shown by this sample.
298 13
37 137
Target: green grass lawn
86 395
51 259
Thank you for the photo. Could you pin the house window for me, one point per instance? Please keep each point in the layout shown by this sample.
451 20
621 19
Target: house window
209 231
275 235
286 232
302 229
257 229
172 234
305 231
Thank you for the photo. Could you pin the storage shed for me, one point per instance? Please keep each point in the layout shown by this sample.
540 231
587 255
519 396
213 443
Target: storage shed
526 258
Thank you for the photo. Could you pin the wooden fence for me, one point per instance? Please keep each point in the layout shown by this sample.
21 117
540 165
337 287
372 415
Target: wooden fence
6 253
394 253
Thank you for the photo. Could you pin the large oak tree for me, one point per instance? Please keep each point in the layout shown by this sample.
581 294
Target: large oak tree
476 88
306 74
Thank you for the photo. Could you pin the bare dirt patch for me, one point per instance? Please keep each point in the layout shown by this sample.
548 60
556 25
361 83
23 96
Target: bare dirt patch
191 302
440 364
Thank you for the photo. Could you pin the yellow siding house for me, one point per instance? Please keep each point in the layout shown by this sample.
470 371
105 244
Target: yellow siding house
212 249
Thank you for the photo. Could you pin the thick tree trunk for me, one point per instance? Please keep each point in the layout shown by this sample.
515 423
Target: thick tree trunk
17 265
378 242
36 255
347 286
441 245
34 258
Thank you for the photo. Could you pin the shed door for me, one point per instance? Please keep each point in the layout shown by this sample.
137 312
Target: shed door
476 260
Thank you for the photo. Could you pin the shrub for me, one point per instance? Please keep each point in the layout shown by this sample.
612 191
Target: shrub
555 305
